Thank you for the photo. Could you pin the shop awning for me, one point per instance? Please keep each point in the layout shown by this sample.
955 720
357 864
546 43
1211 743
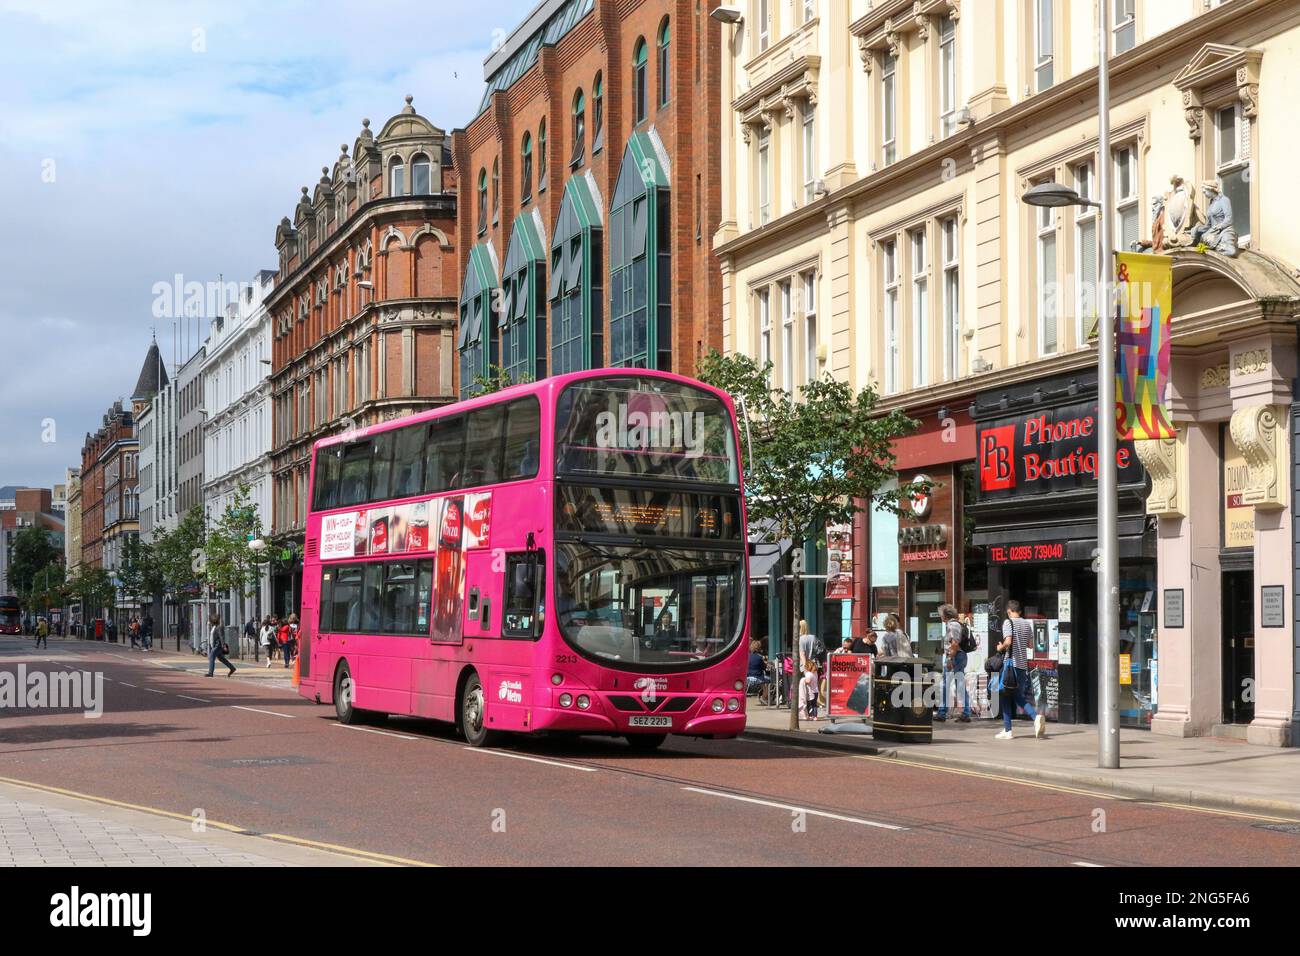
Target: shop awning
480 277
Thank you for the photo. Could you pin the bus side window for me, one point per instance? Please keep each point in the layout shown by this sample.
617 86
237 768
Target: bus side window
483 446
408 462
442 463
329 461
355 475
523 439
372 591
381 465
521 603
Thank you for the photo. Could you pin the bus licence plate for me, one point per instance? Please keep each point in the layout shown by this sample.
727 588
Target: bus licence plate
650 721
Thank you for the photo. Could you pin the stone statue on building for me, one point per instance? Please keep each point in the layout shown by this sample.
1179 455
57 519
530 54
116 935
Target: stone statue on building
1172 218
1217 232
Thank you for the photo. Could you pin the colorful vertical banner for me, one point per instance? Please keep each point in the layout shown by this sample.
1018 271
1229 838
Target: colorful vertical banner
839 562
1144 295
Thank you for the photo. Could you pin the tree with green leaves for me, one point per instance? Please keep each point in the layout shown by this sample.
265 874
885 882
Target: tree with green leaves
231 565
496 379
139 577
808 460
92 588
33 554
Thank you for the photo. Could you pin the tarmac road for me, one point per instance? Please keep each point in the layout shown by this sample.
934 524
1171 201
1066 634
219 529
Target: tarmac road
263 759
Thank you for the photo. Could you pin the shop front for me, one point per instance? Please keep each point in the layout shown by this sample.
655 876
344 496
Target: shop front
1035 517
1223 495
921 560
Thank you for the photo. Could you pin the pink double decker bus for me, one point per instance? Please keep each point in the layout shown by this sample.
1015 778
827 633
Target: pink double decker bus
563 556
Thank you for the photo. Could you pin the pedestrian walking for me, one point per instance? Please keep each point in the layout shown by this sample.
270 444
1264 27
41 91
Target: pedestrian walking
267 637
250 632
112 631
290 646
146 632
217 647
133 629
1016 635
955 641
808 691
895 643
43 633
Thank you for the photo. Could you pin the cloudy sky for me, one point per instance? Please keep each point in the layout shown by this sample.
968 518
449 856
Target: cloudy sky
139 140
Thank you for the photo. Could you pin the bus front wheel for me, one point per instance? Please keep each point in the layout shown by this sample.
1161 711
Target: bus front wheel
473 714
646 741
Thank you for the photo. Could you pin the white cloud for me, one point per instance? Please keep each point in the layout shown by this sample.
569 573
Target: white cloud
166 160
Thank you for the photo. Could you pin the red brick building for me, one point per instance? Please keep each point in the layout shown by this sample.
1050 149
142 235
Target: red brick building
592 192
364 306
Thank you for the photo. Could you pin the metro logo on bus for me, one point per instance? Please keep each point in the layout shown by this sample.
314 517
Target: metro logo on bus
662 431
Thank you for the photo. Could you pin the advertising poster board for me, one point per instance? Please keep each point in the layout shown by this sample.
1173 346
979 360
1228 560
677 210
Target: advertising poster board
850 685
1045 688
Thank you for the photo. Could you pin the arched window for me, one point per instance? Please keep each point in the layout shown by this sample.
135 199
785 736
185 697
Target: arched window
397 178
579 129
526 165
639 56
663 62
421 175
541 155
597 114
496 190
482 201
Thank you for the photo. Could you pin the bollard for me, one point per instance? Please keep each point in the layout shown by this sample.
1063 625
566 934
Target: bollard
294 680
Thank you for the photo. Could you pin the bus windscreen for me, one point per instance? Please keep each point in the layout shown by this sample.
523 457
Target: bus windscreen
644 428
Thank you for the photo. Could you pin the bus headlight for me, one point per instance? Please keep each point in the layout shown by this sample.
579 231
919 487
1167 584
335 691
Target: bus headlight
717 705
566 700
583 702
733 705
557 679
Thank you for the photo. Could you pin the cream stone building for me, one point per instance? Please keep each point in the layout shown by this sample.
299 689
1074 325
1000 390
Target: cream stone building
874 156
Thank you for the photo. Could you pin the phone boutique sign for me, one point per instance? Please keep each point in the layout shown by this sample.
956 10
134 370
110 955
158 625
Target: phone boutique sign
1042 451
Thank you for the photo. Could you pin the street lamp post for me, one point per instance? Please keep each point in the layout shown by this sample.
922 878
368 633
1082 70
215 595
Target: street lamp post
1107 558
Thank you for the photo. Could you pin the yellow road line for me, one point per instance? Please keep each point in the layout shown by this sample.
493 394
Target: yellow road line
1227 813
349 851
364 855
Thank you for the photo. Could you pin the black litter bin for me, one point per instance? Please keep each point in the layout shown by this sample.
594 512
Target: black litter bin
901 709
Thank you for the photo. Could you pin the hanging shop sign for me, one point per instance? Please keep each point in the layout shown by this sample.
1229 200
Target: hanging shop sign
1144 289
1045 451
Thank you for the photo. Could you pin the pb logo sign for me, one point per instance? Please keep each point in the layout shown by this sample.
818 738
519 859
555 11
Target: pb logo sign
997 458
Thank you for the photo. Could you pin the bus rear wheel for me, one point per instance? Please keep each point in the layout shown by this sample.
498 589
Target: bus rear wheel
473 714
646 742
343 694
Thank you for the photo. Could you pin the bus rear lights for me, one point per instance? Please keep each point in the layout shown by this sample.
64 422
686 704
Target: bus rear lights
733 705
557 679
583 702
717 705
566 700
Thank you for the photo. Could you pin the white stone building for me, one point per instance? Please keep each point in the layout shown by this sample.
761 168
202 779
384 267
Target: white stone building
237 428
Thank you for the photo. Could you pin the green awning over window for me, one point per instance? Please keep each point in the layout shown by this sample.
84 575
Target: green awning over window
642 152
525 244
480 278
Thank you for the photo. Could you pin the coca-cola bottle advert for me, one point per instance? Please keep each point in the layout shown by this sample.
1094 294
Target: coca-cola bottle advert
450 571
379 534
417 535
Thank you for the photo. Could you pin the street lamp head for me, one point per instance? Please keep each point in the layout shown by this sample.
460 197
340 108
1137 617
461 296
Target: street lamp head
727 14
257 545
1052 194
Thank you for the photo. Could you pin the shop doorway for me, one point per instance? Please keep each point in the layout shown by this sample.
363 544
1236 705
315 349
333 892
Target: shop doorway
1238 647
926 593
